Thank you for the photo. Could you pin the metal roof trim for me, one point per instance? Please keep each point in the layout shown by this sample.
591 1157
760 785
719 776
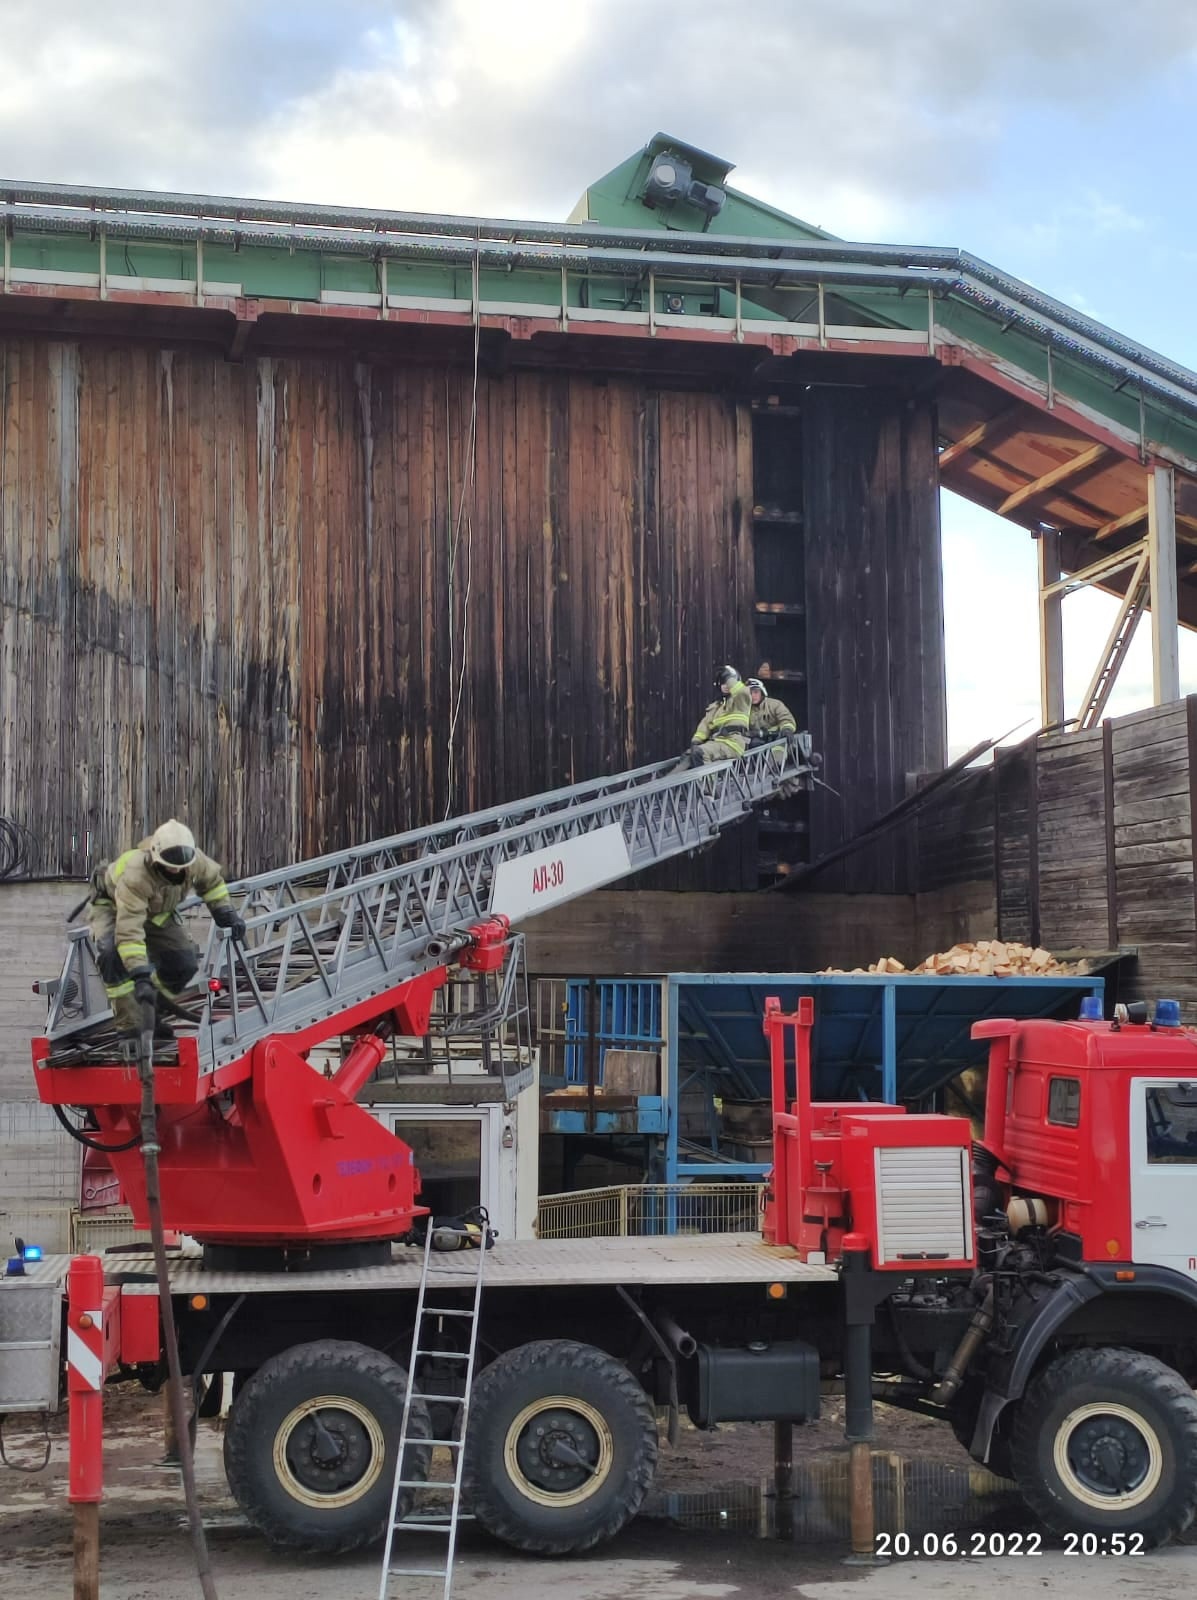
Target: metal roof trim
60 208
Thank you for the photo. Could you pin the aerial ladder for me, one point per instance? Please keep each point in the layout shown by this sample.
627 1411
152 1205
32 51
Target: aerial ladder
259 1148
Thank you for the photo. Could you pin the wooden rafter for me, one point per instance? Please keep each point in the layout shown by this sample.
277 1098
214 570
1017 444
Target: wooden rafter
1129 519
983 431
1051 480
1083 518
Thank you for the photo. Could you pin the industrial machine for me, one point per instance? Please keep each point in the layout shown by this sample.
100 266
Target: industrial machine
257 1149
1038 1297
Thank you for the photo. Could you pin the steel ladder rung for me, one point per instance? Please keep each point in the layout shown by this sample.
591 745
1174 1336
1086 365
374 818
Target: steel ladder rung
422 1525
444 1355
417 1572
445 1311
439 1484
448 1399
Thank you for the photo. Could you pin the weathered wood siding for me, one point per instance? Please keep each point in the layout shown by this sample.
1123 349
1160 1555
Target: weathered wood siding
274 599
1153 768
1071 833
1015 861
955 833
874 606
1094 843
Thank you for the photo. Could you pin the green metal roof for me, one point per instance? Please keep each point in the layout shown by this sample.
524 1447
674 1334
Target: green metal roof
753 274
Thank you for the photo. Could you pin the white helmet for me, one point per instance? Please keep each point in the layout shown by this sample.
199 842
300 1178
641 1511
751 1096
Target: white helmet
172 847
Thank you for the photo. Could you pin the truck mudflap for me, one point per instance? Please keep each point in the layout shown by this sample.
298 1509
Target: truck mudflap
1009 1375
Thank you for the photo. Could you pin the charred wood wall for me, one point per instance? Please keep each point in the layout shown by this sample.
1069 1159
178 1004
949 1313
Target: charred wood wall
874 607
268 598
307 599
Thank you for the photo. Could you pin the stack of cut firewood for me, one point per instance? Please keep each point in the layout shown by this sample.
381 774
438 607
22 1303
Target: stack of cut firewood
987 958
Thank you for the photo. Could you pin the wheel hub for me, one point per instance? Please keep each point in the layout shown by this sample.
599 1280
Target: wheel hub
1109 1455
329 1451
558 1451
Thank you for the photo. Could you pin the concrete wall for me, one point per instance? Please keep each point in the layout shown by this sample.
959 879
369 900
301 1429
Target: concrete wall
39 1164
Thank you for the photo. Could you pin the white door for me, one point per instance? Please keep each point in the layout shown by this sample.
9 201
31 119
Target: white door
1163 1142
460 1153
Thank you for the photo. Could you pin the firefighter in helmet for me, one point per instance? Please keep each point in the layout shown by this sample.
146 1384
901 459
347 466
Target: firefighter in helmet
772 722
723 731
770 719
142 948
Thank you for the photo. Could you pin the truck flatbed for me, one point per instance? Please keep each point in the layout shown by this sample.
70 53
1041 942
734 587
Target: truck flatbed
512 1264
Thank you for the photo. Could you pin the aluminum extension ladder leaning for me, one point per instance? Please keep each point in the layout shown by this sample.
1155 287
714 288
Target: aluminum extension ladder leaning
442 1525
327 933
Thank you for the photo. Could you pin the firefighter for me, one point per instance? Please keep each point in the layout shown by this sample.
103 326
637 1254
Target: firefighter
770 718
723 731
142 949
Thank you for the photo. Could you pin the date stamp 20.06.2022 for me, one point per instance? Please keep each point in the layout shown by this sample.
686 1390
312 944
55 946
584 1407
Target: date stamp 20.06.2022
991 1542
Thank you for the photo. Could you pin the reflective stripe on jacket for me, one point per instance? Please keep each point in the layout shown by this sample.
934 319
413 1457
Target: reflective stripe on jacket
139 895
726 721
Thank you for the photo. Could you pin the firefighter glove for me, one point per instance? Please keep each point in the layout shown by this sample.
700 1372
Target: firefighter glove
143 988
225 917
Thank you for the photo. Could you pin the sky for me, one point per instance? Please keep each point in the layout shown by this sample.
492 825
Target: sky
1051 137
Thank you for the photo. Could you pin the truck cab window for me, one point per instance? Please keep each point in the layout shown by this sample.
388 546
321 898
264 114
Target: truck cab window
1064 1102
1172 1123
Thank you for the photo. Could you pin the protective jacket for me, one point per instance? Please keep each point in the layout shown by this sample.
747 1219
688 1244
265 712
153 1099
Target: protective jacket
726 720
771 719
141 895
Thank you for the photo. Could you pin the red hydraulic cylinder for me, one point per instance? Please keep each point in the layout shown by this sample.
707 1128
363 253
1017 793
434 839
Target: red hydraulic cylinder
86 1367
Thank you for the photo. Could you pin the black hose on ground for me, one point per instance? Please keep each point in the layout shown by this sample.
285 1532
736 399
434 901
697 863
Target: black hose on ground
150 1150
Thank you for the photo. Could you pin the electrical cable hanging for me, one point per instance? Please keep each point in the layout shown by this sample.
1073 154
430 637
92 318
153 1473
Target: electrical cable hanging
15 843
466 520
83 1136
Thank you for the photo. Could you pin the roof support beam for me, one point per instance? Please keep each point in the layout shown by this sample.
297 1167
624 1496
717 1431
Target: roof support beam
1161 546
1051 480
1118 643
987 430
1129 519
1051 631
1105 568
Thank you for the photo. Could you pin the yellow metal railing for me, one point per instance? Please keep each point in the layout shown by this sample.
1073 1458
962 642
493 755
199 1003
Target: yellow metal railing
637 1209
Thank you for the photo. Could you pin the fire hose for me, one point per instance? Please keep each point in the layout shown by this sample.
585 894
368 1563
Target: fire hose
150 1150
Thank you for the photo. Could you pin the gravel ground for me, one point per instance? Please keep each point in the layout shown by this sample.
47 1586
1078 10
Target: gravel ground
711 1529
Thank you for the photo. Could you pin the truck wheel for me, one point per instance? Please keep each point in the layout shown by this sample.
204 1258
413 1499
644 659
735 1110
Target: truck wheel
311 1442
561 1447
1106 1440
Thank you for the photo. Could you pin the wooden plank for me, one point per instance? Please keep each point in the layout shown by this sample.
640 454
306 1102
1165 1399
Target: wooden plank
1064 473
986 431
1129 519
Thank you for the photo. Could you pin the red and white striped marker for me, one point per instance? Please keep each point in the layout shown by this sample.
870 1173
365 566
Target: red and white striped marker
85 1377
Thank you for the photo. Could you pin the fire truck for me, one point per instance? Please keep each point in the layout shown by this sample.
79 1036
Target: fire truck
1036 1291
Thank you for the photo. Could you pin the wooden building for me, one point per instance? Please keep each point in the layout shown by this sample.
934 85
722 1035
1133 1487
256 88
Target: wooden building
319 525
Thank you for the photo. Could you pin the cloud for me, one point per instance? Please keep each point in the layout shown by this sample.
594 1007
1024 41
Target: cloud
846 111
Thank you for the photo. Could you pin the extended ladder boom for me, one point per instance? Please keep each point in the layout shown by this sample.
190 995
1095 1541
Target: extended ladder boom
327 934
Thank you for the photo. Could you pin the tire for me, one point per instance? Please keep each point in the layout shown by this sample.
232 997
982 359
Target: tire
582 1401
1106 1441
272 1452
